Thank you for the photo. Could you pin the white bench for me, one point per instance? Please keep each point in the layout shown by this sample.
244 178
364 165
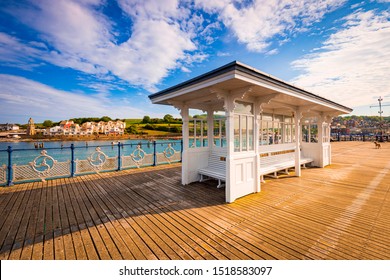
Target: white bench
216 169
271 163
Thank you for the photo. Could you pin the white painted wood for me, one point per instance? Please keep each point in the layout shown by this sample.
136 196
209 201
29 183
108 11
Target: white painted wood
298 129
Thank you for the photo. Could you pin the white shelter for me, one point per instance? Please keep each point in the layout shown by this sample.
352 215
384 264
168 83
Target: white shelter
263 126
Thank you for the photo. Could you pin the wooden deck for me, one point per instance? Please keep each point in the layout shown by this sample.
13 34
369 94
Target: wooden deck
338 212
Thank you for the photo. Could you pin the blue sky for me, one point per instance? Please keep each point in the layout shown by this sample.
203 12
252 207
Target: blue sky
88 58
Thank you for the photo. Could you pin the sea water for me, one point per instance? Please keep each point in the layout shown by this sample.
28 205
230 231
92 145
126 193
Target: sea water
25 152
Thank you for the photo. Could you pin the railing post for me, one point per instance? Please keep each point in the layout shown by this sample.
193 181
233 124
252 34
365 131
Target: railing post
72 165
154 153
119 157
10 170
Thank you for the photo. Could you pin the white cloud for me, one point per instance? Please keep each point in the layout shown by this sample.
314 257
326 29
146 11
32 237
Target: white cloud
19 96
353 65
82 38
256 23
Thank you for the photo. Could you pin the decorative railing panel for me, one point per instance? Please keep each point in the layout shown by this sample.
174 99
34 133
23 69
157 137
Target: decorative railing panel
22 165
97 161
28 173
42 167
137 158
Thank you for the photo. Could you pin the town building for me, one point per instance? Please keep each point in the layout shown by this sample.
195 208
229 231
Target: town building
8 127
30 127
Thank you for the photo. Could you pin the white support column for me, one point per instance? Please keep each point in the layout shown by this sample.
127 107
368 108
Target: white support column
184 112
230 147
298 129
256 143
328 137
320 129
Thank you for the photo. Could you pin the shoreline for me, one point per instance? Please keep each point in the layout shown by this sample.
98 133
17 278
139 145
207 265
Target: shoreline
94 138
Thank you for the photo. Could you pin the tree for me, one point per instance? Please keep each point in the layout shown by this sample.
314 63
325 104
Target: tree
146 119
105 119
168 118
132 129
47 123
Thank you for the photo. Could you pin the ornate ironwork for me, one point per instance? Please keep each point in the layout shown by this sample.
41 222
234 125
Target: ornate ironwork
169 152
43 164
138 155
42 167
97 159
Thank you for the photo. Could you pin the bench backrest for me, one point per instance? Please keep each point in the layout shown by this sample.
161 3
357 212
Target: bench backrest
217 162
276 157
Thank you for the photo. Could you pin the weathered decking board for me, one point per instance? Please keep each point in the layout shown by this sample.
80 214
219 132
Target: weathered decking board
338 212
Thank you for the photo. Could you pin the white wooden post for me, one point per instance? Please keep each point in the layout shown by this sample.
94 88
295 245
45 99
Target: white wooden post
229 107
298 128
257 143
320 129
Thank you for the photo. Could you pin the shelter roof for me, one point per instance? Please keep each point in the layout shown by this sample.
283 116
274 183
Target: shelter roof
204 91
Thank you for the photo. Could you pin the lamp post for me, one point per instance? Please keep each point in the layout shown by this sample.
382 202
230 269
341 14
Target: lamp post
380 99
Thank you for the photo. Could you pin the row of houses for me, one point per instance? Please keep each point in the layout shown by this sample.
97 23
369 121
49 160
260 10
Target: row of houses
88 128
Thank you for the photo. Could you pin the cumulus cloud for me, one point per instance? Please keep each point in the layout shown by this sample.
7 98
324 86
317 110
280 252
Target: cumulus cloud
81 37
256 22
19 96
353 64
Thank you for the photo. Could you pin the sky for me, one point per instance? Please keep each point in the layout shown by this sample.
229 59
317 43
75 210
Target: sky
90 58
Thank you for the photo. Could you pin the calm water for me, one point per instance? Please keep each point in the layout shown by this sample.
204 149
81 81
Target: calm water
25 152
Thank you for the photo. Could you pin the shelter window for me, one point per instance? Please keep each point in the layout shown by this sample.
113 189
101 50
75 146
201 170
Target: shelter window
198 133
310 131
276 129
243 127
325 133
220 132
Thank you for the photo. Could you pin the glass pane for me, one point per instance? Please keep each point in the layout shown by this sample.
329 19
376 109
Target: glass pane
264 133
313 133
277 134
191 134
251 133
244 133
205 128
244 108
236 133
266 117
270 133
305 133
278 118
223 135
197 134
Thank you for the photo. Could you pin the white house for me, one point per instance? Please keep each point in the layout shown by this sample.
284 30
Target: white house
8 127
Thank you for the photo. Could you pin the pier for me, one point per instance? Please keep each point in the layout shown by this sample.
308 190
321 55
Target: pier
341 211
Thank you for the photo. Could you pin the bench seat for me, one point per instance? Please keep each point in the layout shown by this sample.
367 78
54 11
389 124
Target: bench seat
216 169
272 164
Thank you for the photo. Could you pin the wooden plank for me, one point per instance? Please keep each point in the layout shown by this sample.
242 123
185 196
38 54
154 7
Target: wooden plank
67 217
13 214
48 230
32 223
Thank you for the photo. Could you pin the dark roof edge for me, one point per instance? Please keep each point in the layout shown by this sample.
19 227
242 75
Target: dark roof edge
236 65
213 73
